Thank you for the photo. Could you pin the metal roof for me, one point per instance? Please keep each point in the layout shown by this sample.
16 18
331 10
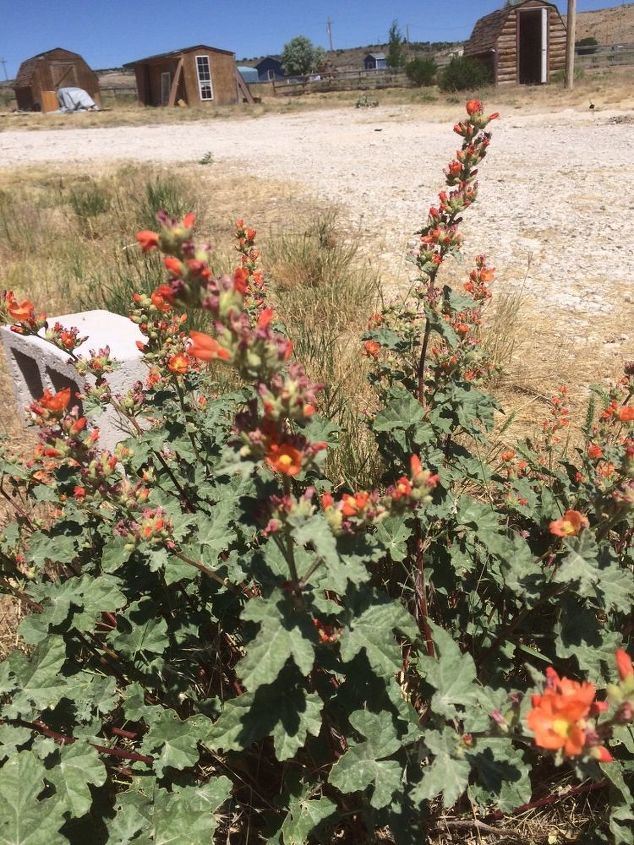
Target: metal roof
174 53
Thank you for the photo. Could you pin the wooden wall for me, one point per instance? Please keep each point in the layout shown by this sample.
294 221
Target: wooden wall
507 67
56 69
223 78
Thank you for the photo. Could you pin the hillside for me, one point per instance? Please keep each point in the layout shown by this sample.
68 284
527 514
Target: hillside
609 26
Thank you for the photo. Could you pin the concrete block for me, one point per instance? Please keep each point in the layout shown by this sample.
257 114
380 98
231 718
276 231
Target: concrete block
36 364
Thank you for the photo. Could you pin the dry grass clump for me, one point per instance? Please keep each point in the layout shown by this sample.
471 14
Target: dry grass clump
324 292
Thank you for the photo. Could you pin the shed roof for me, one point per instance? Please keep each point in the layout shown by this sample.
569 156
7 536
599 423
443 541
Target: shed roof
25 71
376 55
175 53
487 29
268 59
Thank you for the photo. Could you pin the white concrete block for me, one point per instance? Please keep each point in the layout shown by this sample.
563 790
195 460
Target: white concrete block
36 364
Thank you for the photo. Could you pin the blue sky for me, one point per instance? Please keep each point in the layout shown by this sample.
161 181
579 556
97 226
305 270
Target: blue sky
110 32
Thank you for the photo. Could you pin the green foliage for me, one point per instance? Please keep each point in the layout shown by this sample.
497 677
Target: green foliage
464 74
301 57
213 653
422 72
395 46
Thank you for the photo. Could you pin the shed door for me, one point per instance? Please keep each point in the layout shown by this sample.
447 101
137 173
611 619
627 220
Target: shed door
63 74
532 38
166 85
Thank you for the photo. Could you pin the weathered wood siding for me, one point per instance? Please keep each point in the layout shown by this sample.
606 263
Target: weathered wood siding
223 78
49 71
497 35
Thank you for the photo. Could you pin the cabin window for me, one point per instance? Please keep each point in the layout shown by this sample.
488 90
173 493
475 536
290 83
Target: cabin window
204 78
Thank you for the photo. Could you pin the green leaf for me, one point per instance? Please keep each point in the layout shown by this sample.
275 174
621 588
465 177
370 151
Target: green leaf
448 774
304 815
503 779
452 674
371 629
174 742
393 534
363 765
25 820
139 630
580 565
184 816
39 678
284 633
11 738
288 714
78 767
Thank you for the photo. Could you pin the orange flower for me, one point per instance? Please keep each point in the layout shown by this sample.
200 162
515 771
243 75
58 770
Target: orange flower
147 240
55 402
240 279
372 348
21 312
178 364
474 107
626 413
207 348
327 501
402 488
265 318
284 458
624 664
557 717
173 265
162 298
595 452
415 465
189 220
508 455
570 525
354 505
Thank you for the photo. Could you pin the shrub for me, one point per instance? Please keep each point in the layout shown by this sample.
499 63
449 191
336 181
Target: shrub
225 641
421 71
464 74
586 46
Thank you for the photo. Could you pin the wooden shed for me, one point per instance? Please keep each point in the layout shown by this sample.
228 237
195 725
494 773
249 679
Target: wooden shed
39 78
521 44
375 61
195 75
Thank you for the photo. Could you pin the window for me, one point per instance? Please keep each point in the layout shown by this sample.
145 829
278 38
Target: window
204 78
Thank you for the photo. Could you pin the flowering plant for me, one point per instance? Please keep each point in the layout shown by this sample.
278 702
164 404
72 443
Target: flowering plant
225 642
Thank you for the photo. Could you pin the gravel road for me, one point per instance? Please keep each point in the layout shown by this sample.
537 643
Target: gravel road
557 197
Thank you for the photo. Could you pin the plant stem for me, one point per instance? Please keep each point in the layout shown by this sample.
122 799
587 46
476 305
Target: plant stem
211 573
422 612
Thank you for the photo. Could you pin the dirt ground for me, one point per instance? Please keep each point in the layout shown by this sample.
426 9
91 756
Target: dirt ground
556 196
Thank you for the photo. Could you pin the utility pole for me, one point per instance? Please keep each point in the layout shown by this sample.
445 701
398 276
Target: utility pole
329 31
571 25
3 62
407 32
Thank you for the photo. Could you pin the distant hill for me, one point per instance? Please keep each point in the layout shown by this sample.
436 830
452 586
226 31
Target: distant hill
609 26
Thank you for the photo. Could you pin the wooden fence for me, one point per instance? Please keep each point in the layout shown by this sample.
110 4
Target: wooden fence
609 55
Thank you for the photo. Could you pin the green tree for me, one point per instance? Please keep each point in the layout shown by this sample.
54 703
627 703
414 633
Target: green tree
395 49
300 56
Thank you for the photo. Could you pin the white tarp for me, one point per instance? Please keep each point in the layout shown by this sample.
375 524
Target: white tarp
74 99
